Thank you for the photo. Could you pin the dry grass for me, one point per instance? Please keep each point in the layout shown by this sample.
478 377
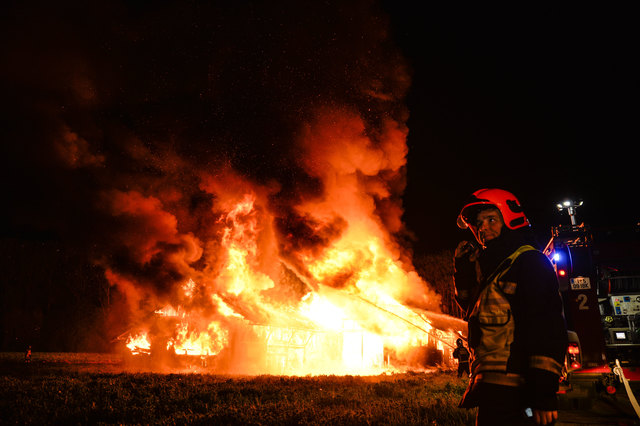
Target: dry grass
96 389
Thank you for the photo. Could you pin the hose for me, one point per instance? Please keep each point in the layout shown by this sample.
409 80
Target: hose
634 402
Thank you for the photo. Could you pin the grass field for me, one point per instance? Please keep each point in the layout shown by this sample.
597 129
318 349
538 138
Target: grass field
65 388
101 389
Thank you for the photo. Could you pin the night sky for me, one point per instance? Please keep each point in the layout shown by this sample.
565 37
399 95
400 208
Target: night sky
538 100
535 99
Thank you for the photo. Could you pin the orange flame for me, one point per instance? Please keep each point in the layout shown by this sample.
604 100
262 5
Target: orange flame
139 344
345 302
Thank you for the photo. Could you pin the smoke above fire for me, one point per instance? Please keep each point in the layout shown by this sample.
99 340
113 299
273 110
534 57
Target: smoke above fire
223 162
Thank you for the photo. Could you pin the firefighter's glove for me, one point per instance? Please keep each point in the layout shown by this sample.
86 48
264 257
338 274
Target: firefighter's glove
465 277
466 250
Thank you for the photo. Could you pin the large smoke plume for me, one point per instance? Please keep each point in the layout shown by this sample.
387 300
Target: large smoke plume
133 127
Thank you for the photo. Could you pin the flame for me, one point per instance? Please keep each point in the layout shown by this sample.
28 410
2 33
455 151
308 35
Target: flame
208 342
322 312
139 344
344 301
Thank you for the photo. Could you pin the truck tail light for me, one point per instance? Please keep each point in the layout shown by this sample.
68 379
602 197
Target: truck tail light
573 356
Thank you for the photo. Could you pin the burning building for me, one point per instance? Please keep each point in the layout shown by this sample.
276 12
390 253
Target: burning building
237 171
323 290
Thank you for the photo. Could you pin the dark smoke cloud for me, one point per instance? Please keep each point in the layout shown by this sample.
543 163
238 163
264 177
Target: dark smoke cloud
119 112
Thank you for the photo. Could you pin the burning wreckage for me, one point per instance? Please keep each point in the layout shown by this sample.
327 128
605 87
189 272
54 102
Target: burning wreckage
281 277
328 344
346 313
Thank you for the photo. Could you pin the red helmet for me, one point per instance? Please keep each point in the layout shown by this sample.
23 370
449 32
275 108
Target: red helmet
504 201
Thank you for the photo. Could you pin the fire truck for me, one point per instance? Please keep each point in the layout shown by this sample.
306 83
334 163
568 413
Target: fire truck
598 272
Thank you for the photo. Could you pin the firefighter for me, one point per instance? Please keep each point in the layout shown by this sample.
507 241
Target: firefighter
516 330
27 355
462 355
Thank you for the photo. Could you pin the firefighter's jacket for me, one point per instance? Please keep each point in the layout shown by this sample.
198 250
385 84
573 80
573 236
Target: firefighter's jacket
517 335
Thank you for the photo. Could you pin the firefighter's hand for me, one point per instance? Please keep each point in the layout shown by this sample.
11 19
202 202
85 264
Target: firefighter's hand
465 248
544 417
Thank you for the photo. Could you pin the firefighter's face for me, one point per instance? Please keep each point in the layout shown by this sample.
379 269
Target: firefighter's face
489 223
